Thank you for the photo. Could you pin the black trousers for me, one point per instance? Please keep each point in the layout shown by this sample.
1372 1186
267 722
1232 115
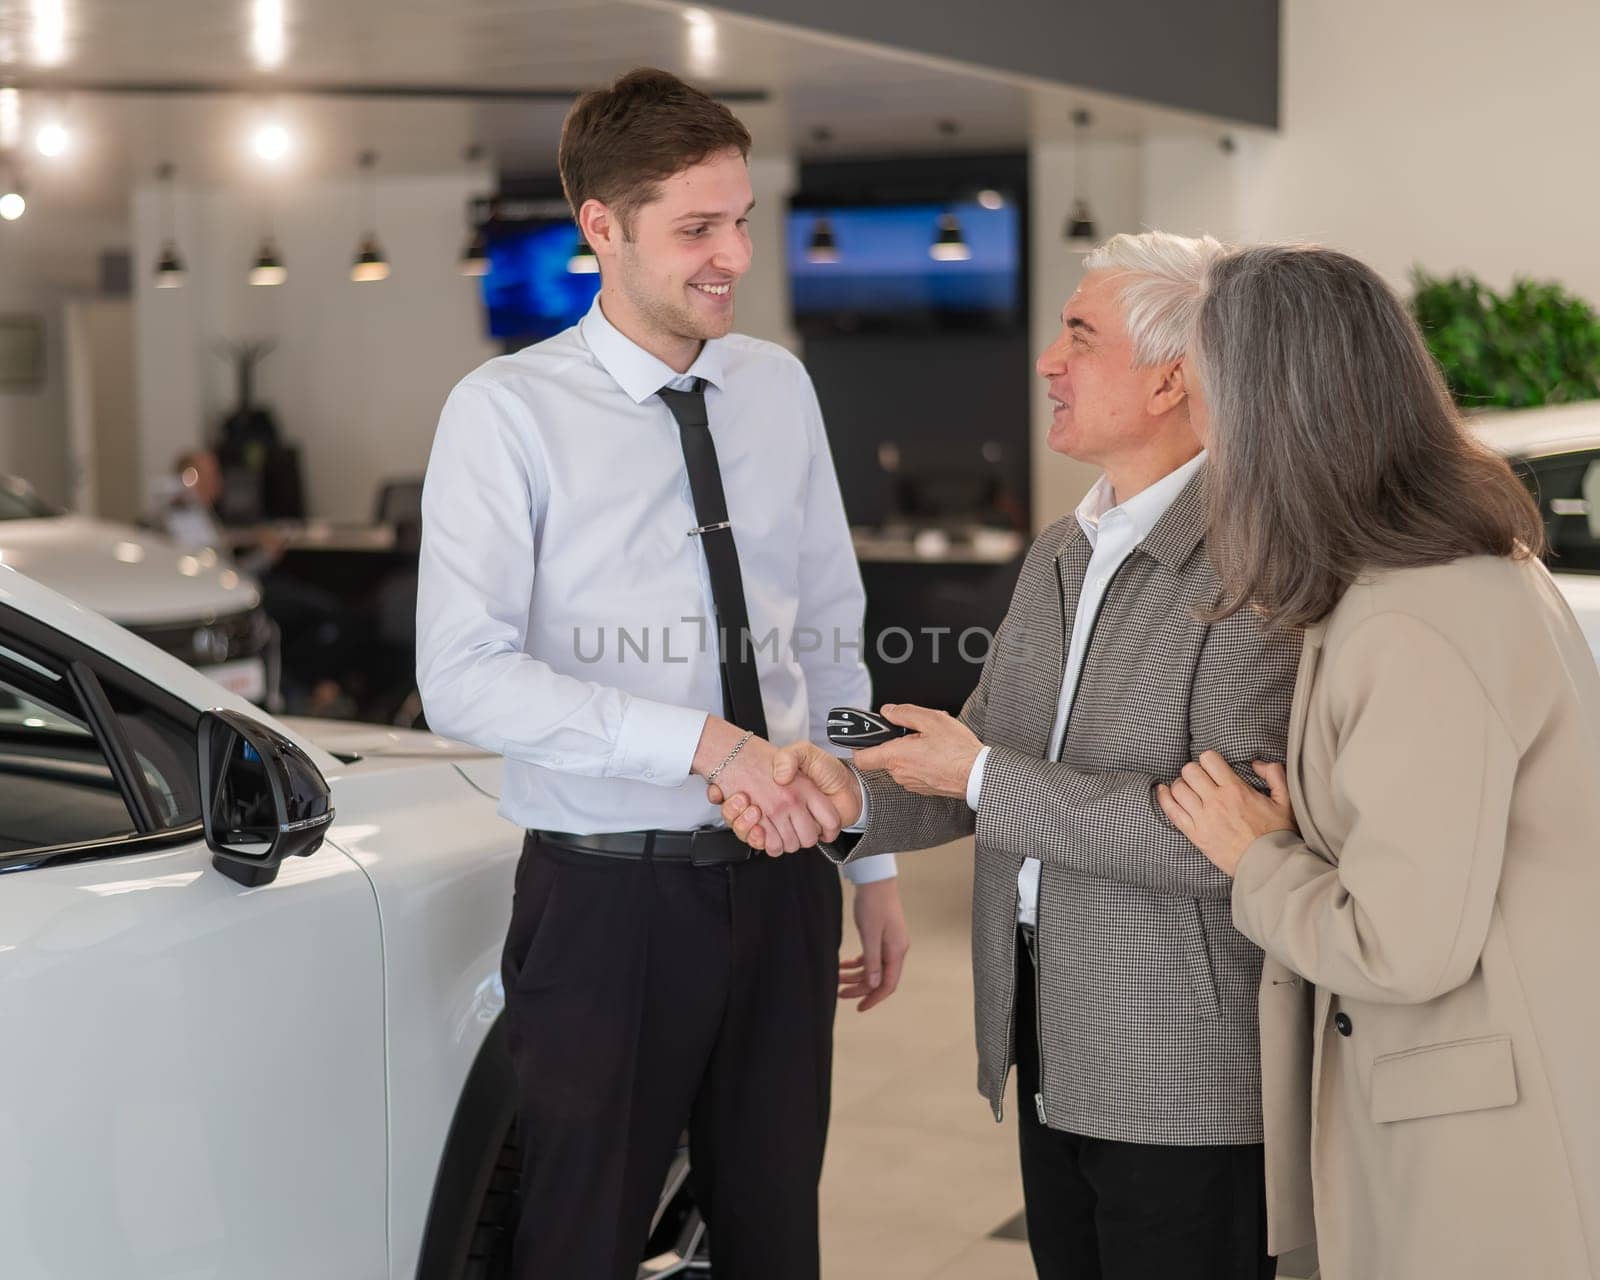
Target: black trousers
645 998
1102 1210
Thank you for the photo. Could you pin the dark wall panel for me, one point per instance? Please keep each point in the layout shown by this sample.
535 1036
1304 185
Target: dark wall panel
950 404
1219 57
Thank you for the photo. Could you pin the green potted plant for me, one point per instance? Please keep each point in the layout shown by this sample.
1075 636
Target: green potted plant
1536 344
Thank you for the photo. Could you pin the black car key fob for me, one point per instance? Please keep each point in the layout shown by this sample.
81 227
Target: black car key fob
854 728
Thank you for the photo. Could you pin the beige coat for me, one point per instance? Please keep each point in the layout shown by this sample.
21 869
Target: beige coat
1441 1084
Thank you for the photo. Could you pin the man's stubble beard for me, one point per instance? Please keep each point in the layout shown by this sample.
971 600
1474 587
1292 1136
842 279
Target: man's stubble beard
679 320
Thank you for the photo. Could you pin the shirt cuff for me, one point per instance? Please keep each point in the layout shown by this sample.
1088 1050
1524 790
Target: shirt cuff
860 824
975 780
657 743
870 870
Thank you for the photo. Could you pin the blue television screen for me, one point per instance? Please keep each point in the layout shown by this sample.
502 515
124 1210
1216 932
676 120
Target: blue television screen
529 293
884 275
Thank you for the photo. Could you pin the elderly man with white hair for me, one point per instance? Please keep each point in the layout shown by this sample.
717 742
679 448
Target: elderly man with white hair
1106 963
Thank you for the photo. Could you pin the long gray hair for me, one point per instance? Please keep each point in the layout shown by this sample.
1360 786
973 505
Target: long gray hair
1334 446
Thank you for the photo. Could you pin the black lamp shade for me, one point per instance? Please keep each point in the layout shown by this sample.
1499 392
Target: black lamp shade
370 264
170 271
269 268
1080 226
949 245
822 248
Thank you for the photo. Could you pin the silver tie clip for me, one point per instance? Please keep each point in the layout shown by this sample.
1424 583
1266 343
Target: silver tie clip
710 528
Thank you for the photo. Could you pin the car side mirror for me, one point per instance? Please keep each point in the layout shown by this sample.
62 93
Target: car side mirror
262 798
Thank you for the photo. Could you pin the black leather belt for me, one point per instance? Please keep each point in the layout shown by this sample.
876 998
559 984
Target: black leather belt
705 847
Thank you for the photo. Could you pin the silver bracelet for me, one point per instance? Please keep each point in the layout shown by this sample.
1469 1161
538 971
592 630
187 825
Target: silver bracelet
737 748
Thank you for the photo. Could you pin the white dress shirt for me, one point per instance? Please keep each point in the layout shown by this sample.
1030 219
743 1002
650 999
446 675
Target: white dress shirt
564 614
1113 533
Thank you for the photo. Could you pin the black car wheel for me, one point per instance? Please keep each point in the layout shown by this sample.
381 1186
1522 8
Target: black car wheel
477 1199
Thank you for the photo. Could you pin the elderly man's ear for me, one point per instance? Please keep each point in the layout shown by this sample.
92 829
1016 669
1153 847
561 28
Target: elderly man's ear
1171 391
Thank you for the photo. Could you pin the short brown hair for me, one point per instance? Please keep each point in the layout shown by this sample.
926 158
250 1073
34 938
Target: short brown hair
618 144
1335 448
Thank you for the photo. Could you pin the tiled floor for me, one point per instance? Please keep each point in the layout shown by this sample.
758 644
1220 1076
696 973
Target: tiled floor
919 1174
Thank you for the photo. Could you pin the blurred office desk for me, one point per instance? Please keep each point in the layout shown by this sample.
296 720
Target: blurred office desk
316 535
935 597
372 570
930 546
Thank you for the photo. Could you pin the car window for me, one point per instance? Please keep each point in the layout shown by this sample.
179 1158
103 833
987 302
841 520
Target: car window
56 786
166 755
1567 487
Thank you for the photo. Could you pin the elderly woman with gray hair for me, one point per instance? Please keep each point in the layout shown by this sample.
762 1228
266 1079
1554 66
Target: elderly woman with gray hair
1424 876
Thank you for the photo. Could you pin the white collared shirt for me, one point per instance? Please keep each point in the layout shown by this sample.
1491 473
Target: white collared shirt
1113 533
564 614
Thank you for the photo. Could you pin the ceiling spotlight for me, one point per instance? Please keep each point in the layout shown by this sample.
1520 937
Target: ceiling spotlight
271 142
475 257
268 34
269 268
12 205
991 199
822 247
949 245
583 262
52 139
49 32
702 41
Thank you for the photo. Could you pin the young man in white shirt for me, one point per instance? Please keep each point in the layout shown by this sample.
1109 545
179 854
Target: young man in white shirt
628 529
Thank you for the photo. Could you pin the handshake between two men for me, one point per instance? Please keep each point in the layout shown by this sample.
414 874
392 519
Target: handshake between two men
784 799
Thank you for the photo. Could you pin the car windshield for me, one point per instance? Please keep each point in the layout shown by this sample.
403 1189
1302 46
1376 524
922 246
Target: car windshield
19 502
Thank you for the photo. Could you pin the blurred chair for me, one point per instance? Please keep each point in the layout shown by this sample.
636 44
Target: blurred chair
399 502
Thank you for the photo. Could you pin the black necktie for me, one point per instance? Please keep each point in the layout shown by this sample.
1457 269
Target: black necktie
741 687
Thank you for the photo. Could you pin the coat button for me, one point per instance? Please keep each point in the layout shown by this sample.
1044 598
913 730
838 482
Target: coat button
1342 1024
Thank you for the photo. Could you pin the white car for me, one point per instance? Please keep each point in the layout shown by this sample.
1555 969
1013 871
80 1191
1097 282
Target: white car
198 609
249 980
1557 451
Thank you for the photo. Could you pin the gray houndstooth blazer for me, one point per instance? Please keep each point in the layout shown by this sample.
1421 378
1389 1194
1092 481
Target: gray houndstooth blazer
1147 993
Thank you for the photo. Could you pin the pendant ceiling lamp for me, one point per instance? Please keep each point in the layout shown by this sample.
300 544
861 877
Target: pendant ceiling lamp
1080 228
583 262
268 268
370 265
949 245
170 271
822 248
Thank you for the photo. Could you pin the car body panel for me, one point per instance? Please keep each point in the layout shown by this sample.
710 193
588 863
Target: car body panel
443 880
373 742
126 573
250 1082
199 1089
1529 435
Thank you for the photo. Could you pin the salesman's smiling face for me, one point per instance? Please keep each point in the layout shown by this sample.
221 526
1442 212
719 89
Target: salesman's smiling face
1099 399
678 269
